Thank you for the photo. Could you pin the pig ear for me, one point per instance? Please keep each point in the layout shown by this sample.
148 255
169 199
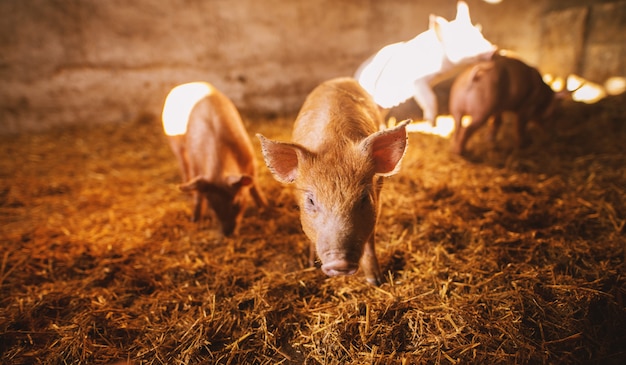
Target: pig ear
198 183
191 184
462 12
238 181
281 158
386 148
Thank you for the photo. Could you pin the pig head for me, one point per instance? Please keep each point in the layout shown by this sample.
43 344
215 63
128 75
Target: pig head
408 69
488 89
336 160
213 150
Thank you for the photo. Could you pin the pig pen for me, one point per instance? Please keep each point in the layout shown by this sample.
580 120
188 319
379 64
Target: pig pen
503 257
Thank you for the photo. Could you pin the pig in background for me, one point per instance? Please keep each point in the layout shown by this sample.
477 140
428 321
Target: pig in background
403 70
337 160
504 84
214 151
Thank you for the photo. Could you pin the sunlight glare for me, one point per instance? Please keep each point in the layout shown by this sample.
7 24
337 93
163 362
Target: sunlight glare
589 93
178 105
615 85
444 128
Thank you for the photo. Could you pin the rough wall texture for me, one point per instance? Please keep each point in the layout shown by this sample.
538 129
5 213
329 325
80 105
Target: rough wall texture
88 61
586 38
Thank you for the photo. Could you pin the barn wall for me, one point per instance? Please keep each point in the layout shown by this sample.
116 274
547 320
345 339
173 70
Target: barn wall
88 61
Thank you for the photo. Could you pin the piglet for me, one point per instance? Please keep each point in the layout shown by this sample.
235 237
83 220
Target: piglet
213 150
336 160
493 87
408 69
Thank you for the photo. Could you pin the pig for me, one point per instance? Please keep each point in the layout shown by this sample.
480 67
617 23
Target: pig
337 160
214 152
408 69
493 87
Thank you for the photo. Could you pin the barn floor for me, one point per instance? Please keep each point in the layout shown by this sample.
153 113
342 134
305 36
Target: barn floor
505 257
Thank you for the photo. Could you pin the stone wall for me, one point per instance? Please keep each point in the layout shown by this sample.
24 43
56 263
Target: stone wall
585 38
99 61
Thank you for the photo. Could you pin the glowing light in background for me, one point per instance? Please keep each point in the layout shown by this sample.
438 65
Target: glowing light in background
493 1
589 93
556 83
444 128
575 82
584 90
615 85
403 70
178 105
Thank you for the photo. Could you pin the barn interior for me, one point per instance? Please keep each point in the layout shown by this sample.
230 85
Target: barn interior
504 255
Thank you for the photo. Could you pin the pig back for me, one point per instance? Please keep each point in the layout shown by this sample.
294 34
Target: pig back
337 112
523 86
217 141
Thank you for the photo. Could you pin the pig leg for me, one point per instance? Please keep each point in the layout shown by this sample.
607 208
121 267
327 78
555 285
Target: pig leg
369 263
312 253
177 143
466 133
522 138
497 123
427 100
258 197
197 208
458 126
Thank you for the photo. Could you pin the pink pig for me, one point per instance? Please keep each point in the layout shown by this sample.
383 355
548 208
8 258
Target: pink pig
214 151
337 159
491 88
408 69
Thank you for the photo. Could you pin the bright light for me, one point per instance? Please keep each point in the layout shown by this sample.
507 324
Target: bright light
444 128
179 103
589 93
557 84
548 78
615 85
493 1
575 82
584 90
392 75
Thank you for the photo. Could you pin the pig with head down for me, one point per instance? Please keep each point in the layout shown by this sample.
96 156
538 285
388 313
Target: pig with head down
408 69
213 150
488 89
336 159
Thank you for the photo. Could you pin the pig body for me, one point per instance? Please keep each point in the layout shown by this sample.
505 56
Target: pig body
213 150
409 69
493 87
337 159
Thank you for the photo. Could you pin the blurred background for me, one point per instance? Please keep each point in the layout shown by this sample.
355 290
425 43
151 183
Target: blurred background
90 61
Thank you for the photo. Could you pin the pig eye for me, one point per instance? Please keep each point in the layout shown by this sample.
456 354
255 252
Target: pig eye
365 198
309 201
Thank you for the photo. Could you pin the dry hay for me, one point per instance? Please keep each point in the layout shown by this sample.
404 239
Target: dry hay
506 257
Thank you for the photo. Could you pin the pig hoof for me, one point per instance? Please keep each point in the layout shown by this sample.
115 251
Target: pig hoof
374 281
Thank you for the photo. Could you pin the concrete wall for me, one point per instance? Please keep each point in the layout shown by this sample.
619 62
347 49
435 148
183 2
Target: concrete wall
98 61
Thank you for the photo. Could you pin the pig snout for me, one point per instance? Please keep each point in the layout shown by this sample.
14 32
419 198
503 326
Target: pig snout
337 160
339 262
340 267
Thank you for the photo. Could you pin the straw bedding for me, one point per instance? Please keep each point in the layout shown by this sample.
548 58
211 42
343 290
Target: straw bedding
504 257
